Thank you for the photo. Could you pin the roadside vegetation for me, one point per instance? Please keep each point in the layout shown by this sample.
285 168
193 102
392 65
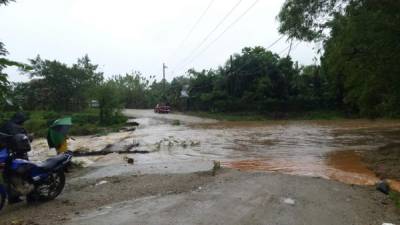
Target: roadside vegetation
256 116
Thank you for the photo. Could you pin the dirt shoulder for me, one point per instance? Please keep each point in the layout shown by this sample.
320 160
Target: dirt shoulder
86 194
231 197
384 161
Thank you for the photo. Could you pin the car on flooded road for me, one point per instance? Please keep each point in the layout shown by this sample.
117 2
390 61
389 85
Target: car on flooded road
162 108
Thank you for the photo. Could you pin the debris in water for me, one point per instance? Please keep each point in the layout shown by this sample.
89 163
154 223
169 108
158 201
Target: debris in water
194 143
176 122
129 160
388 224
289 201
127 129
132 123
101 182
216 167
383 186
127 150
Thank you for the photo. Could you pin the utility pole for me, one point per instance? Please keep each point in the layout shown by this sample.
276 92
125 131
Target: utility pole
164 67
231 74
290 48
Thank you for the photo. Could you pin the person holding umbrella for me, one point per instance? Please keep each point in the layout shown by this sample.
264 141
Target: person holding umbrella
58 134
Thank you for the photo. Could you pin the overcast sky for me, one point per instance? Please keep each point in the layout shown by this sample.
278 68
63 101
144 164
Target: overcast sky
126 35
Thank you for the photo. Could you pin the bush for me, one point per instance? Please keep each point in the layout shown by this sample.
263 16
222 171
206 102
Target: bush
119 118
86 129
84 123
85 118
51 115
37 126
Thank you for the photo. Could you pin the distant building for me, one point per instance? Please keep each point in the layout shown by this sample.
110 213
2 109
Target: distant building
94 104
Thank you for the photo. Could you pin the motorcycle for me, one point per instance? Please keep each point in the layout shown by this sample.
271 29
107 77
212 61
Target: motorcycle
20 177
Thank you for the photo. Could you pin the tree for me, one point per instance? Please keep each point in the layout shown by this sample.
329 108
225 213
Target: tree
69 88
133 87
361 57
307 19
5 2
254 80
109 102
3 62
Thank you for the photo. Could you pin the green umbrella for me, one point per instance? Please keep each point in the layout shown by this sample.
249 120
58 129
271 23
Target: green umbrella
58 131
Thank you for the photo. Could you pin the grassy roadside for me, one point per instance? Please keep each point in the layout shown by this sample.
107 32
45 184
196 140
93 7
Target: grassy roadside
84 123
256 116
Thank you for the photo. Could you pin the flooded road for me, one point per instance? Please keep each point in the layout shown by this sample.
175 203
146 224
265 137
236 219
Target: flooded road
327 149
181 144
172 184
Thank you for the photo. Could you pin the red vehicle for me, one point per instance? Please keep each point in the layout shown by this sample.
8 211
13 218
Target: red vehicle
161 108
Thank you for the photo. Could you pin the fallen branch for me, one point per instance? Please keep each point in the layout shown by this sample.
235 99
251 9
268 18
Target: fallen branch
107 150
97 153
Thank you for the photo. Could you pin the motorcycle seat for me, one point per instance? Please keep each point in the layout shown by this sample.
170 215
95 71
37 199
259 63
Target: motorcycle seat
53 162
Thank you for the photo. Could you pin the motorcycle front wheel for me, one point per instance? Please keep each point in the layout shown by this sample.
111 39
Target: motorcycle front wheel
49 189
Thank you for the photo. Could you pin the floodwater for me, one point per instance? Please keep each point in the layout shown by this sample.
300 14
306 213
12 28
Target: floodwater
327 149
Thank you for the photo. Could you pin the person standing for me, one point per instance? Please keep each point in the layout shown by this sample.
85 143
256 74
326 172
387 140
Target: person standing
13 127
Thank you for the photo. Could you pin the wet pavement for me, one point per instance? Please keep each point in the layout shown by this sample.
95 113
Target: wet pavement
238 198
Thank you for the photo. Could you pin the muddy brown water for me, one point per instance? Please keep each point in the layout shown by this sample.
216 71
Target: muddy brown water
327 149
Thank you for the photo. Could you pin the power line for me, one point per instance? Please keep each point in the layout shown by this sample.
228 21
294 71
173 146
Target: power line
267 48
211 32
285 49
223 32
193 27
274 43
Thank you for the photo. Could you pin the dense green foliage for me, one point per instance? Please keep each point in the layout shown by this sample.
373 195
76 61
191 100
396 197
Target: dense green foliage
256 80
307 19
5 2
84 123
62 87
361 52
58 87
4 63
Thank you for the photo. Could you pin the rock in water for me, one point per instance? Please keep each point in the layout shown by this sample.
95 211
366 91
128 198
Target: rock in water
129 160
383 187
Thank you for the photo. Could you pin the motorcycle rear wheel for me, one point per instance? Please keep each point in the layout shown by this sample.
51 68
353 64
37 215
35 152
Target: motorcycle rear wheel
50 189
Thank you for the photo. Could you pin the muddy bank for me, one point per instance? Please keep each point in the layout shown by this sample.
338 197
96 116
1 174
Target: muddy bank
384 161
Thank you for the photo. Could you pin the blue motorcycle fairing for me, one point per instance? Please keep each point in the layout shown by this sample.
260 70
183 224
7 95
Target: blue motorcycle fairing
35 171
3 155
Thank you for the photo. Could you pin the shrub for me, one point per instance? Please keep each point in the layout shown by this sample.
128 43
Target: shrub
85 118
86 129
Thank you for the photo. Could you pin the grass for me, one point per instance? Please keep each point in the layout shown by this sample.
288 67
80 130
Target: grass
395 196
256 116
176 122
84 123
